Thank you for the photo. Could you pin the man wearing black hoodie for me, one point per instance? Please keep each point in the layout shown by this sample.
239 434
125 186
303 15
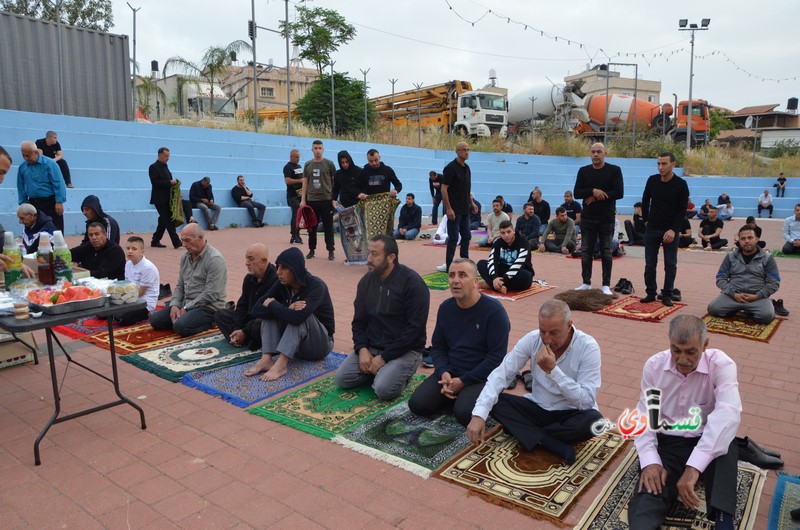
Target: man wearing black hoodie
93 211
377 177
345 181
389 324
296 316
509 265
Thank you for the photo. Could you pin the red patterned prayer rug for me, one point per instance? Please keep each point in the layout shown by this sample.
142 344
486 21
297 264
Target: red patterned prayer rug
631 308
139 338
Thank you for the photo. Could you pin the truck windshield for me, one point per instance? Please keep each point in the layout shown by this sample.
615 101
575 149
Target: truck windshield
492 102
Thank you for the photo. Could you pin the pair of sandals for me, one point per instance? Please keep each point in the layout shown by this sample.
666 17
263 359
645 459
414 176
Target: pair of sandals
527 379
425 236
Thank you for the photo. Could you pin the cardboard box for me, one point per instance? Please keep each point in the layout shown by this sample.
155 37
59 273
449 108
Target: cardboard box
13 352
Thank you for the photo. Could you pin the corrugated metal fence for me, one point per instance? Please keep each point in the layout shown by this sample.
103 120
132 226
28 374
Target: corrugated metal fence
95 69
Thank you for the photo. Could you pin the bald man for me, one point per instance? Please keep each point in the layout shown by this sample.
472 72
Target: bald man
237 324
39 182
456 188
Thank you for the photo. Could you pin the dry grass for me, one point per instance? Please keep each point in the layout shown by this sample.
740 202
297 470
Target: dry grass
729 161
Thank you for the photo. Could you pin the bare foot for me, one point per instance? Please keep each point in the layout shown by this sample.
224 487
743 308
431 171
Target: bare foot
264 364
274 373
503 289
483 285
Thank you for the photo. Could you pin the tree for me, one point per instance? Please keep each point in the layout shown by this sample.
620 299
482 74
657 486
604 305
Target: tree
92 14
315 107
318 32
719 122
146 88
212 65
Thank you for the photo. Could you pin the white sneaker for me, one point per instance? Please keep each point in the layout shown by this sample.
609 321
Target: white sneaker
583 287
607 291
442 267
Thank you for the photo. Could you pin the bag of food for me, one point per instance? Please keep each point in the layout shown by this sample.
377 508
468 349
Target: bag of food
123 292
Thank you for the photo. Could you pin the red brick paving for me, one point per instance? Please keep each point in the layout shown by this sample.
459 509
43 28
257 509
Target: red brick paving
205 463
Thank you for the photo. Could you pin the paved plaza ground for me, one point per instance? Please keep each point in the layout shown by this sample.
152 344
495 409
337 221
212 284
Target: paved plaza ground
205 463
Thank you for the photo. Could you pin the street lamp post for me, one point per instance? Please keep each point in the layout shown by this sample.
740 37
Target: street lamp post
333 103
418 86
133 85
366 128
683 25
393 81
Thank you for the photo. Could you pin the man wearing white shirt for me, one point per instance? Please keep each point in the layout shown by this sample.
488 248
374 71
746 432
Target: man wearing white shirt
142 272
765 203
698 383
791 232
561 407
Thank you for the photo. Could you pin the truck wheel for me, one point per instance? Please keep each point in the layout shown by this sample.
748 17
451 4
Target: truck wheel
461 131
680 139
661 121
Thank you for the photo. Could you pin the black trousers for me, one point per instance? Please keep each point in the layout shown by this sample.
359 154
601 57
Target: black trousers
529 423
634 237
647 511
591 230
48 206
294 204
225 319
133 317
165 223
428 400
324 212
64 167
520 282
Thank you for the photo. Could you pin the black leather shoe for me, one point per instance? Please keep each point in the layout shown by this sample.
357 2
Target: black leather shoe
164 290
310 254
747 440
627 288
620 285
331 256
779 309
647 299
667 301
157 244
749 453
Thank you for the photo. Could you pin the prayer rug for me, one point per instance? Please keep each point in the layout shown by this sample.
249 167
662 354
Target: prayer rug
779 254
325 410
631 308
472 246
88 326
737 326
516 295
233 386
199 353
536 482
351 224
785 498
139 338
436 281
379 214
610 509
401 438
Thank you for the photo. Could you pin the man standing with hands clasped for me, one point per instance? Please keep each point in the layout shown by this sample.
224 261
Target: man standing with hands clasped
456 187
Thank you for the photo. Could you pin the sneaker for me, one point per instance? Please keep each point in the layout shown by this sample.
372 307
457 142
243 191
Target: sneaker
310 254
164 290
298 240
157 244
442 267
427 361
647 299
620 284
676 295
584 287
606 290
331 256
667 301
628 288
779 309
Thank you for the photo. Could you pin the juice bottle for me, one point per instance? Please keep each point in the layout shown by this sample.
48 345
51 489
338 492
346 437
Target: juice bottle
10 249
62 257
44 259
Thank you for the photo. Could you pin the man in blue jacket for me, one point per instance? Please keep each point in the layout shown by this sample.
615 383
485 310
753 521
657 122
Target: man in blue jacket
296 318
391 314
410 220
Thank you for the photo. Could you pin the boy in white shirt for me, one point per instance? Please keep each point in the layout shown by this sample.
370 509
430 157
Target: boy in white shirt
142 272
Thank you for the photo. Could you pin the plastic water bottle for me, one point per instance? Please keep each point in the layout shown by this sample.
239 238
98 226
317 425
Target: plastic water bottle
10 249
62 257
44 259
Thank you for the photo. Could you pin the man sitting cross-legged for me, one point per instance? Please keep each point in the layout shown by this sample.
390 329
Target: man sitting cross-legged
469 341
296 318
509 265
561 407
747 277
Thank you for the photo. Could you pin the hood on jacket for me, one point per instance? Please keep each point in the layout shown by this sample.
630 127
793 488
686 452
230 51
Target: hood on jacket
93 202
353 168
292 259
41 220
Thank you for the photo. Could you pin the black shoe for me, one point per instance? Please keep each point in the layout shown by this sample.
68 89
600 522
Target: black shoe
427 362
749 453
620 285
331 256
177 245
527 380
779 309
230 305
157 244
796 512
298 240
310 254
676 295
667 301
628 287
647 299
747 440
164 290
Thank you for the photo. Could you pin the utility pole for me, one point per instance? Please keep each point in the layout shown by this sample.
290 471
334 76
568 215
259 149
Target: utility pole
366 125
333 103
133 85
252 29
393 81
418 86
288 73
683 25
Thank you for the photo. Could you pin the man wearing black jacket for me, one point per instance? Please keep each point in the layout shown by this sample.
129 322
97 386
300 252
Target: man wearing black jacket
410 220
201 195
103 258
238 325
377 177
345 181
389 324
663 208
509 265
161 180
296 316
600 186
93 211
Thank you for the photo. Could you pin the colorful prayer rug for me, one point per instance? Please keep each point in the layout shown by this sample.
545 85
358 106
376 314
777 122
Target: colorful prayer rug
89 326
610 509
379 214
737 326
400 437
233 386
325 410
352 226
139 338
785 499
436 281
535 482
631 308
516 295
176 360
779 254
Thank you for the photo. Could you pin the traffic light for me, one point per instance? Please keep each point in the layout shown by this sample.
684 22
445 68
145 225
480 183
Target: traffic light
251 29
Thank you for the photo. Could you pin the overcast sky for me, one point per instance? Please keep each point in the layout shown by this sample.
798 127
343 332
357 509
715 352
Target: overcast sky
425 41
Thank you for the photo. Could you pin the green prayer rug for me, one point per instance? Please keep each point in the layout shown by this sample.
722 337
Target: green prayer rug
204 353
779 254
325 410
400 437
436 281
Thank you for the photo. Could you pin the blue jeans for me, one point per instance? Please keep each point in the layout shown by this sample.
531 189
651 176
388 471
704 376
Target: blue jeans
460 225
653 241
410 234
592 230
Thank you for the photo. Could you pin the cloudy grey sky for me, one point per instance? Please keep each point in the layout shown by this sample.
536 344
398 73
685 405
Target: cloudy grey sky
748 46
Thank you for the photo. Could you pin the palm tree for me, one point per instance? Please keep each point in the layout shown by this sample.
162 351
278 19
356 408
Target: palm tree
146 88
212 65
